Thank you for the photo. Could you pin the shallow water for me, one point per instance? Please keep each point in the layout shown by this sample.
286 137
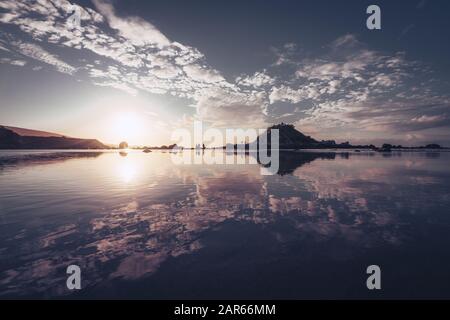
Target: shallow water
140 226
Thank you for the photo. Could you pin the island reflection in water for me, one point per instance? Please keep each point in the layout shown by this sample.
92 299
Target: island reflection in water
141 227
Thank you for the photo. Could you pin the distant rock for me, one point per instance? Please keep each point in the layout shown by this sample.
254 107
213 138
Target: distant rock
291 138
11 139
123 145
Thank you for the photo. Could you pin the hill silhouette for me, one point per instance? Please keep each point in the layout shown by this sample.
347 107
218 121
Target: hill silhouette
291 138
32 133
10 139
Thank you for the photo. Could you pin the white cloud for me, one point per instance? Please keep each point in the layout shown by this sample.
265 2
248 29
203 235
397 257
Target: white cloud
118 85
38 53
167 72
149 60
14 62
288 94
4 48
19 63
333 86
348 40
224 108
428 119
202 74
285 93
329 70
137 30
259 79
382 80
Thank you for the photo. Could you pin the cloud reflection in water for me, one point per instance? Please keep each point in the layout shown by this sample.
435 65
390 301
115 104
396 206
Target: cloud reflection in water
362 200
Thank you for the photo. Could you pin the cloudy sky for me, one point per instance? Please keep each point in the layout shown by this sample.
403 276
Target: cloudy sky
137 70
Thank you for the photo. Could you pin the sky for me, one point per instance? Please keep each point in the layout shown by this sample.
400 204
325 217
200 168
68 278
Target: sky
137 70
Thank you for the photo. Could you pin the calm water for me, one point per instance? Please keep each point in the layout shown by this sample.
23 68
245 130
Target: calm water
141 227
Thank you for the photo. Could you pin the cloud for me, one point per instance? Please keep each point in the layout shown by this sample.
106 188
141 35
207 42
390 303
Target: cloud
202 74
348 40
14 62
287 94
19 63
38 53
225 108
428 119
351 89
137 30
259 79
352 66
346 88
143 57
383 80
406 29
4 48
167 71
117 85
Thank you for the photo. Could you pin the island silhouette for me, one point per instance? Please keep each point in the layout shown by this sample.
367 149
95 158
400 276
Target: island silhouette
19 138
289 139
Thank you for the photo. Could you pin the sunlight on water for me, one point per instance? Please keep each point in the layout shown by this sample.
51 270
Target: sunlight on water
127 170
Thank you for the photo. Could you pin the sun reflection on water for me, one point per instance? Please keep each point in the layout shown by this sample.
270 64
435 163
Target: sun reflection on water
127 169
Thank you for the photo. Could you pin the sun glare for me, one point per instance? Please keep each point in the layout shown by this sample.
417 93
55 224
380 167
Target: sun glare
127 171
128 126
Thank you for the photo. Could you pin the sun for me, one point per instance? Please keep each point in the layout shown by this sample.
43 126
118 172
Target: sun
128 126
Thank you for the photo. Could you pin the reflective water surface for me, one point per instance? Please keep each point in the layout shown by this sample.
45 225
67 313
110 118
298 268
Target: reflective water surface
140 226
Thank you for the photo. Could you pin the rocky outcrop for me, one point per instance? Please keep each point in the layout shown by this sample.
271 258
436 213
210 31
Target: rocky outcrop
11 140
